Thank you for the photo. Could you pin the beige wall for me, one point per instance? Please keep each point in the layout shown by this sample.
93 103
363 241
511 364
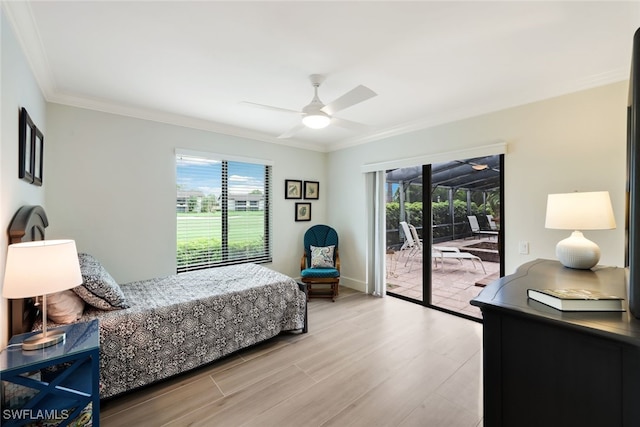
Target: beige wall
568 143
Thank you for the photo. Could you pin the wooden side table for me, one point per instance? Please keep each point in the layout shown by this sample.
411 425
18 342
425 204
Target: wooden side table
66 377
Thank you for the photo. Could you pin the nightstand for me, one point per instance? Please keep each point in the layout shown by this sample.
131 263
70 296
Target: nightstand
65 375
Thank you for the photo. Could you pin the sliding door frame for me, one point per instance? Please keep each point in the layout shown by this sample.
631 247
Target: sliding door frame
427 238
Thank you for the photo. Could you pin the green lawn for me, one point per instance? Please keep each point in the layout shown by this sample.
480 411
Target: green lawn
209 226
200 238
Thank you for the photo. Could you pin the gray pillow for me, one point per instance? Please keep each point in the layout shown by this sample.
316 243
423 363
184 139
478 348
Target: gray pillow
98 288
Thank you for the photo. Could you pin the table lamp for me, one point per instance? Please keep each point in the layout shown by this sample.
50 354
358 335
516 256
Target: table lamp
579 211
40 268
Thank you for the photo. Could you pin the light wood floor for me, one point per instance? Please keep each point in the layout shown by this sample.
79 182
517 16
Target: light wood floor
366 361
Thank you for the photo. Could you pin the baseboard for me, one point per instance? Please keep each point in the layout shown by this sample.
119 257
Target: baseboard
357 285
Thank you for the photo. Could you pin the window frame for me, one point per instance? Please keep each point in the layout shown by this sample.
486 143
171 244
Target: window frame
225 254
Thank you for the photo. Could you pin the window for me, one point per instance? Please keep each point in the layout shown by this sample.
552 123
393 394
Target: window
222 211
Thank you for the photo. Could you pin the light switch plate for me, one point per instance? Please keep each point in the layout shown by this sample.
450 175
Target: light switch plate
523 248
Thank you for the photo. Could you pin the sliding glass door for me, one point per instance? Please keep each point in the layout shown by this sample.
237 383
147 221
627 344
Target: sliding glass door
441 253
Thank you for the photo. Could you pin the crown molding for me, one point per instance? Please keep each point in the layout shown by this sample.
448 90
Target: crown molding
20 16
602 79
21 19
406 128
179 120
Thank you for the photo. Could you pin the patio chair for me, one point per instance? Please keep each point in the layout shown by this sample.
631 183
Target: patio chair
454 253
475 228
414 244
320 263
411 241
442 252
440 249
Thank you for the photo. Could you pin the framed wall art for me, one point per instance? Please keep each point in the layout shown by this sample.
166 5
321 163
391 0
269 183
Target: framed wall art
292 189
303 211
311 190
25 137
30 149
37 156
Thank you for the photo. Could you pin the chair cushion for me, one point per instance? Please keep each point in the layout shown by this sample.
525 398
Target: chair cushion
319 272
322 256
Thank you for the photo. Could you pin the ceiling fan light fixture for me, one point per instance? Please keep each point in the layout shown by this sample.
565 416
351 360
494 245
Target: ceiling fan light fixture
316 115
317 120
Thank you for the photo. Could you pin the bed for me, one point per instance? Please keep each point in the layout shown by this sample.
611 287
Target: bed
154 329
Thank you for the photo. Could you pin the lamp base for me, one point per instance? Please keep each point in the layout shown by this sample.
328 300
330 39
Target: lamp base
578 252
39 341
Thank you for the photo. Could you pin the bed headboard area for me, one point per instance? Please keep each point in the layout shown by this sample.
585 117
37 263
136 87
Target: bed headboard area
27 225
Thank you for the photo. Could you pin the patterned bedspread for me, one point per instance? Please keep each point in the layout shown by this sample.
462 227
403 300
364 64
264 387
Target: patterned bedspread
180 322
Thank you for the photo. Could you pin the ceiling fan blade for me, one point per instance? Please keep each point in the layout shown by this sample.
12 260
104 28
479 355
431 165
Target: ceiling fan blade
292 131
348 124
269 107
354 96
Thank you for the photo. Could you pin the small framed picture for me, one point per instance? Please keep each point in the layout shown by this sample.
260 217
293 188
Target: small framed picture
25 146
303 211
38 156
292 189
311 190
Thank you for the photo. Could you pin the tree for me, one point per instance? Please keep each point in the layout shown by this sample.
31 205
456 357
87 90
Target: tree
192 203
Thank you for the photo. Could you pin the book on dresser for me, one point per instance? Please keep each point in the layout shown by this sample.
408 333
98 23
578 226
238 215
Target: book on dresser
576 299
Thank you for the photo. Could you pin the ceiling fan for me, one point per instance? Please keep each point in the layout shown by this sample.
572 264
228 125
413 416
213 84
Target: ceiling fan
317 115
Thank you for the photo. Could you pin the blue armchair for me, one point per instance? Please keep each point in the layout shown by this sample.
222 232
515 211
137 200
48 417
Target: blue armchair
320 263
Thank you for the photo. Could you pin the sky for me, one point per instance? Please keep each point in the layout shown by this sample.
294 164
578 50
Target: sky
206 176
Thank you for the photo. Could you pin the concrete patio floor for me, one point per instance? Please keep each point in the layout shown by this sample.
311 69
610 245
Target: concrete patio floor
454 284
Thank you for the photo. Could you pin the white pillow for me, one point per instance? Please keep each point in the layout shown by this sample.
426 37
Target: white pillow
64 307
322 256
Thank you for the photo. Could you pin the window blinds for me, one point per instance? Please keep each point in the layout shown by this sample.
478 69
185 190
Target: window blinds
222 211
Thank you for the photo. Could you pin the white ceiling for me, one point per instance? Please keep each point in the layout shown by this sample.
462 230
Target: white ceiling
193 63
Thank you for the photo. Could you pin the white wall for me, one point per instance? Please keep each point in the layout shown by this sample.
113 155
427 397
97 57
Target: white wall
111 187
568 143
19 89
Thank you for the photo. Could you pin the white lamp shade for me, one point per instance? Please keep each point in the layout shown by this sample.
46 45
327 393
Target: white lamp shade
40 268
580 211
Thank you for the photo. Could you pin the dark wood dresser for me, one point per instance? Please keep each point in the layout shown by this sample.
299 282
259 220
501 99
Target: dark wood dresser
545 367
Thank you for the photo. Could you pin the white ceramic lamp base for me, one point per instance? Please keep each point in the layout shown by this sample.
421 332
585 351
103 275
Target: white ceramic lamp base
578 252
